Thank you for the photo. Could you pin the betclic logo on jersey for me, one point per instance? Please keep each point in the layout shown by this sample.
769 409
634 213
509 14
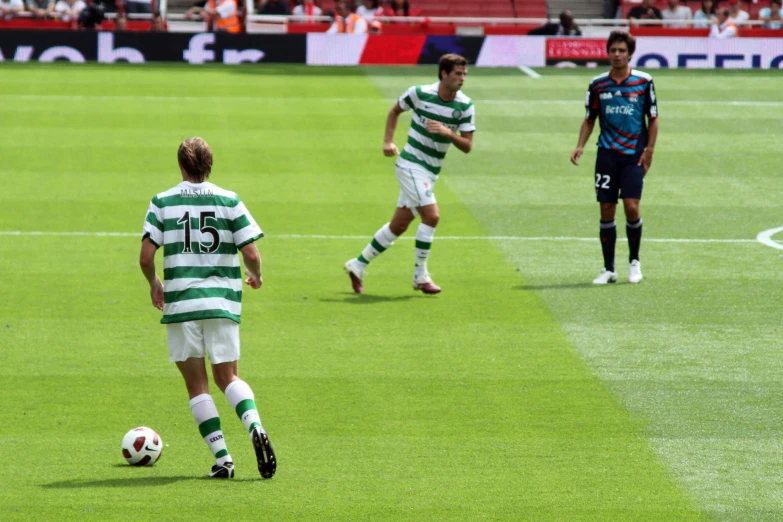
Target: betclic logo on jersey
625 110
138 47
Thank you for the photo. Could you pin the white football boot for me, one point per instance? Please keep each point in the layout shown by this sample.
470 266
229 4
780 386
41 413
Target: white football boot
634 271
605 277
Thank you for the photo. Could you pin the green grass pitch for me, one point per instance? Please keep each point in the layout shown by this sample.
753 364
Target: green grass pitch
521 392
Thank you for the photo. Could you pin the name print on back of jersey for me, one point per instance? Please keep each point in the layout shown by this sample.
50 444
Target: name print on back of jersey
196 193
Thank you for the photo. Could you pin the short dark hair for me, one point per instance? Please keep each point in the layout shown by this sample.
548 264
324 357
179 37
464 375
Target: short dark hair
448 62
195 158
776 2
622 36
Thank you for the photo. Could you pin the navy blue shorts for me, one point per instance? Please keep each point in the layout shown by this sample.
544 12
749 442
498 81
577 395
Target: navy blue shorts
617 176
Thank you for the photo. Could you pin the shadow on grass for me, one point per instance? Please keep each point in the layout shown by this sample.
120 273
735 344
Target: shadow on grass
132 482
126 482
568 286
368 299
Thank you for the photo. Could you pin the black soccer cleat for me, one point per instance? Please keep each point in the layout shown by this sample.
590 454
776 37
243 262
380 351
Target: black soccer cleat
226 471
267 463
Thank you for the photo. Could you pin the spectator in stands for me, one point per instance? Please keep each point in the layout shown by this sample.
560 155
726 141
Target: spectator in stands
272 7
646 11
612 9
137 6
566 27
223 13
121 22
403 8
771 15
387 8
723 26
369 10
346 21
307 8
41 8
158 23
91 17
703 17
68 10
737 15
677 15
11 8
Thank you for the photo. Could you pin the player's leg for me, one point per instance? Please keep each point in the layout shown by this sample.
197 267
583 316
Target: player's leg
222 338
381 241
186 349
631 192
606 190
430 215
385 236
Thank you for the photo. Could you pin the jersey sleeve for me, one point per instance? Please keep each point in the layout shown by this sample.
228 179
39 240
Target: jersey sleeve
651 107
226 9
592 104
468 121
244 227
153 223
408 99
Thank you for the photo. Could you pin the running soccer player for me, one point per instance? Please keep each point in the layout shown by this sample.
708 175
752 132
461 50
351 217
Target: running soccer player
201 227
621 99
439 111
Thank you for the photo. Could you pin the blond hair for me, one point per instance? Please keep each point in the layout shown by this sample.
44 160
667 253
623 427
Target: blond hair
195 158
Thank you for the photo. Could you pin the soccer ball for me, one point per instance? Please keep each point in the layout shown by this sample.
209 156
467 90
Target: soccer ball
141 447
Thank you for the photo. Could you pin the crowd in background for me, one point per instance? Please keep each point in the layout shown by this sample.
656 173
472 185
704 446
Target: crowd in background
360 16
729 15
83 14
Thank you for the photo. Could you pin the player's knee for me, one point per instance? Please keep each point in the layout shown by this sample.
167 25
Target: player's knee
222 380
431 219
398 229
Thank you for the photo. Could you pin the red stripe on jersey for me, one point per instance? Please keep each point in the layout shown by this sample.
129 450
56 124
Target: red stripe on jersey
629 136
637 82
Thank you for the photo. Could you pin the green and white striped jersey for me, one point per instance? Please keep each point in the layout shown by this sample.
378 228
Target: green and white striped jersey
429 150
201 227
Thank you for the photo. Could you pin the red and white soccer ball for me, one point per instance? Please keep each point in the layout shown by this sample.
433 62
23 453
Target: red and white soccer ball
141 447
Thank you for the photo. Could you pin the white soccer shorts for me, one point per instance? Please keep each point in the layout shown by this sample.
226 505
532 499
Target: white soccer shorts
417 188
217 337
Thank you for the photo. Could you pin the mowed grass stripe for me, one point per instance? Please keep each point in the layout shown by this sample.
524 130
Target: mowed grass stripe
387 406
692 349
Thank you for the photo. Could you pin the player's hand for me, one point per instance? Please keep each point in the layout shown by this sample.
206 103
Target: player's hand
156 294
576 155
646 159
436 127
390 150
253 281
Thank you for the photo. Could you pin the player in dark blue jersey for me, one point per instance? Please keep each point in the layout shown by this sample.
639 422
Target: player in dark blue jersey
624 100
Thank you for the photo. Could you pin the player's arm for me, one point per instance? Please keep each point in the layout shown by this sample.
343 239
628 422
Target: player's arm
584 135
147 264
592 107
463 141
389 148
252 258
651 112
652 136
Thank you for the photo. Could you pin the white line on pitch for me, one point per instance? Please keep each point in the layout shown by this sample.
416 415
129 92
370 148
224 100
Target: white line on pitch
276 100
530 72
765 238
441 238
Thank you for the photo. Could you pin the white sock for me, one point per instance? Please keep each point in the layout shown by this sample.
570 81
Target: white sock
241 398
208 420
382 240
424 237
